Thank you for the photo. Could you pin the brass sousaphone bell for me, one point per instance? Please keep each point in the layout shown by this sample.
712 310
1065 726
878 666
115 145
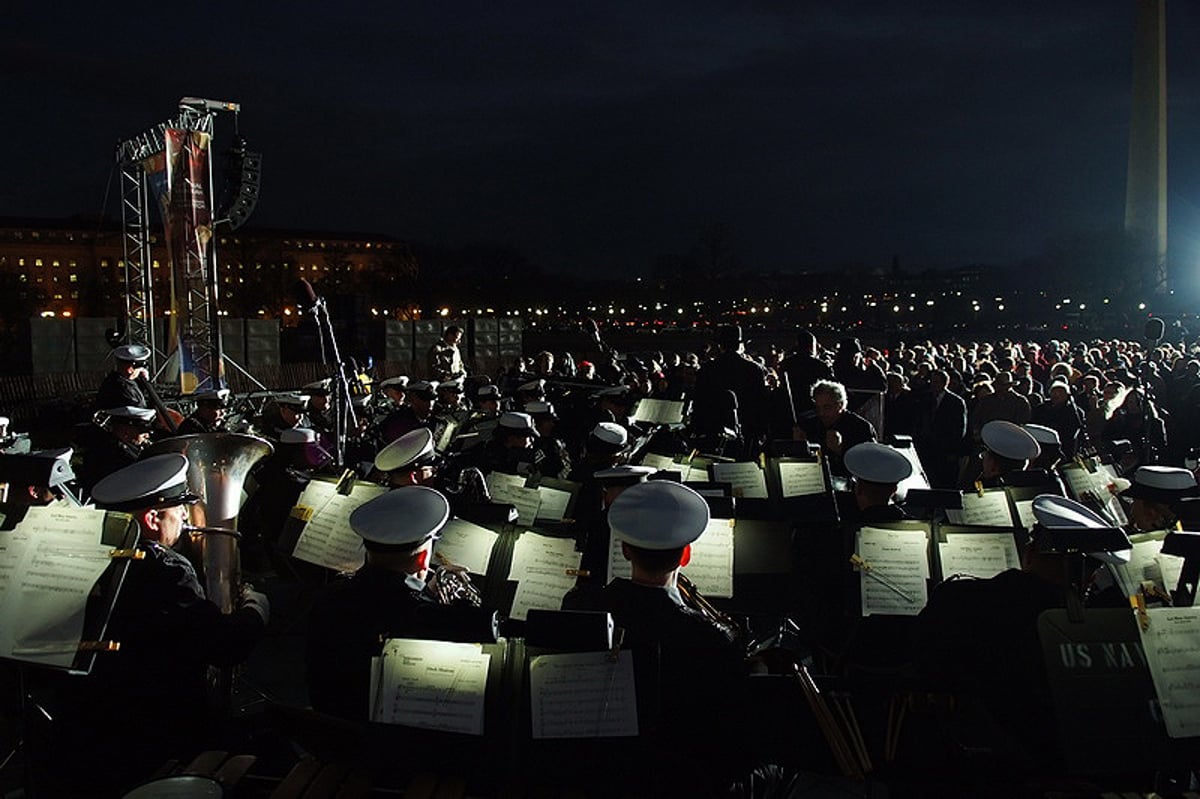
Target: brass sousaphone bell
218 464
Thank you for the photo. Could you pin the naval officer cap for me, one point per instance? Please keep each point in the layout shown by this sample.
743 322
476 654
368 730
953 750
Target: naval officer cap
1009 440
292 400
532 387
132 353
414 448
516 423
216 396
488 391
1161 484
610 435
1046 437
132 415
1066 525
156 482
658 515
541 408
402 519
423 388
624 475
398 383
877 463
454 385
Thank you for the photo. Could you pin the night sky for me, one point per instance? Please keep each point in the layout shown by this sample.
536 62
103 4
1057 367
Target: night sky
603 135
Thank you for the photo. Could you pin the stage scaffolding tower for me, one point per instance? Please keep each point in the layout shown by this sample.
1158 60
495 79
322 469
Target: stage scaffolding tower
197 320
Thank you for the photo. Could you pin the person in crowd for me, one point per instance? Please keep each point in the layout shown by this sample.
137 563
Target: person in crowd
834 428
444 359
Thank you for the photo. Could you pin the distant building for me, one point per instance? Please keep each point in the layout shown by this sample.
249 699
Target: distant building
75 267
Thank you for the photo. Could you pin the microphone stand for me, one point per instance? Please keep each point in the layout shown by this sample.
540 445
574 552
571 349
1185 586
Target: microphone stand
343 409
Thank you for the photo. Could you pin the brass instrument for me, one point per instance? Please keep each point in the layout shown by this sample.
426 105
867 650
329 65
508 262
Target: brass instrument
218 464
693 599
449 584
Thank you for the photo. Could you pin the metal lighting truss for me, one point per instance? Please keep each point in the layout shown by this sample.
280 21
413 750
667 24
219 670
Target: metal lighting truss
198 321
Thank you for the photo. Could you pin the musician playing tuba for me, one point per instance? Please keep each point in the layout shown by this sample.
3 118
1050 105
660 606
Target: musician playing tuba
392 596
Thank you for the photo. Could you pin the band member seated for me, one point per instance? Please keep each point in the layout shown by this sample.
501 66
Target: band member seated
283 412
603 488
689 669
556 460
979 637
120 387
416 412
209 416
1008 449
511 448
320 411
169 635
877 470
113 441
398 593
834 427
1154 494
409 460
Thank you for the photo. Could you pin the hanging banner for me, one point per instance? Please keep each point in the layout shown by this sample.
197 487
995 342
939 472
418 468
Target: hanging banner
186 197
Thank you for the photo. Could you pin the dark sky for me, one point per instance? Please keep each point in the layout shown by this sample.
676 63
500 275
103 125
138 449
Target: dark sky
593 135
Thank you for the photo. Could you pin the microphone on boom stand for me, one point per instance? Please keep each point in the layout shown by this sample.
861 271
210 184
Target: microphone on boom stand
343 409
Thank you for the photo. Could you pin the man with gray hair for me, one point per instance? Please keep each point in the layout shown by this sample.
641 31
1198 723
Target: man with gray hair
834 428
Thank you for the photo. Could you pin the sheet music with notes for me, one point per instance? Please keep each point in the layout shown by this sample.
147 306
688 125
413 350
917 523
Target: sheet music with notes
747 479
989 510
689 473
328 539
582 695
510 490
801 478
1082 483
467 544
899 566
1171 642
618 566
432 685
711 565
534 554
49 564
658 411
981 555
552 503
540 588
659 461
1025 513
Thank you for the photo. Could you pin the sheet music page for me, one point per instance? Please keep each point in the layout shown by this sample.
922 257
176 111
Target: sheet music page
433 685
58 559
1005 541
1143 563
526 500
895 584
711 566
1172 646
467 544
540 588
1106 473
535 553
617 565
1079 481
974 555
658 411
747 478
582 695
1025 513
1170 569
500 483
801 478
692 474
327 538
989 510
658 461
552 503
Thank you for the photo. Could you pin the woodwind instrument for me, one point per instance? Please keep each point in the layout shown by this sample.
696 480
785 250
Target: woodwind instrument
693 599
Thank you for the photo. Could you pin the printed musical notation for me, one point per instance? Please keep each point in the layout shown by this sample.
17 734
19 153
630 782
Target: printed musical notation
987 510
433 685
801 478
981 555
747 479
467 544
1171 641
328 539
49 564
658 411
896 568
582 695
